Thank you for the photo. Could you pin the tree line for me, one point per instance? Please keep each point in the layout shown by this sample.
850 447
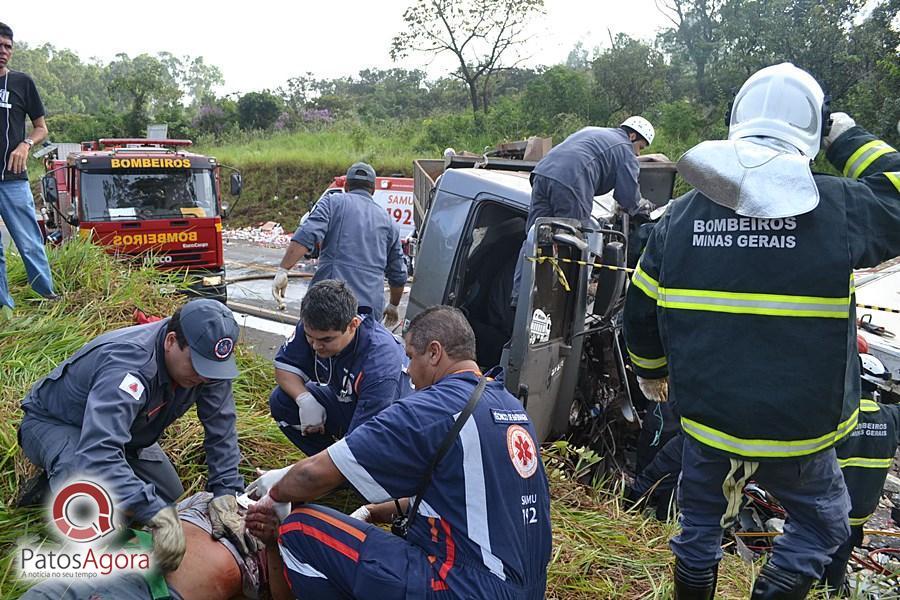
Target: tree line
682 79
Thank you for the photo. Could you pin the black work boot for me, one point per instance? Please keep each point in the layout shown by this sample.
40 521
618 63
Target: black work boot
695 584
777 584
34 491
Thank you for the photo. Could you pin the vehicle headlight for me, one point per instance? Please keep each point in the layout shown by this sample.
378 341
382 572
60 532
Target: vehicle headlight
212 280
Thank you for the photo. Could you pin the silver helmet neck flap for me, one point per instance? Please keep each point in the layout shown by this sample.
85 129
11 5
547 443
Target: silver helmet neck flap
775 131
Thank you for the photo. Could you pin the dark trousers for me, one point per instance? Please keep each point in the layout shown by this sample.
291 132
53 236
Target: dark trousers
52 445
811 489
337 422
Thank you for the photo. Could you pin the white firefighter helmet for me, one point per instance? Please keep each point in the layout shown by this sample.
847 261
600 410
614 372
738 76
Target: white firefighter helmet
642 126
873 370
781 102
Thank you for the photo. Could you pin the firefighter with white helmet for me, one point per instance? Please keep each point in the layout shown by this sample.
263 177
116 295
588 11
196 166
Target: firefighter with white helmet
590 162
761 254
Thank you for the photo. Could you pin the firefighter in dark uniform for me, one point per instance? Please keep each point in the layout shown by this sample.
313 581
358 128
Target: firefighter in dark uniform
759 257
100 413
865 457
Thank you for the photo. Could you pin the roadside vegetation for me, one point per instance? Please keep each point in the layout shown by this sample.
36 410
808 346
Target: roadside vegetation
599 551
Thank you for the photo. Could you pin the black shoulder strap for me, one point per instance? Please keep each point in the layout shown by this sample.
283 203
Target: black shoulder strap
446 445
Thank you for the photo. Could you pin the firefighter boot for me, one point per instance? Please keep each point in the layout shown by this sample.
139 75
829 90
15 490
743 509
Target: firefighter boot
777 584
695 584
34 492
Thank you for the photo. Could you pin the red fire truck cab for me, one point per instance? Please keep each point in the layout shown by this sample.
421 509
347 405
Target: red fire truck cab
143 198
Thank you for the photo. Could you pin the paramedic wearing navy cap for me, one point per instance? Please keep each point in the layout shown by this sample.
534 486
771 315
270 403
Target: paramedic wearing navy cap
100 413
482 529
340 368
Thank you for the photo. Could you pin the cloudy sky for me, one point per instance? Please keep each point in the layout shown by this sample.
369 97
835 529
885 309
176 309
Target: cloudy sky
262 43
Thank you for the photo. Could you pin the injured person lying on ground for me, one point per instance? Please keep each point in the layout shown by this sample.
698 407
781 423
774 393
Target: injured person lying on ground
211 569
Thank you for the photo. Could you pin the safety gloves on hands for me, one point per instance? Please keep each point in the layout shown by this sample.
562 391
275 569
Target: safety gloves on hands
168 539
362 513
312 414
279 287
655 390
266 480
840 123
391 315
226 522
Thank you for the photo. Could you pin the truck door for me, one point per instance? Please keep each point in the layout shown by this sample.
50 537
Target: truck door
544 353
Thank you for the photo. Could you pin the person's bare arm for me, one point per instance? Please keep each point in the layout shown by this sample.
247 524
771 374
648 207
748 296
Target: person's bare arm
18 158
396 295
291 383
307 480
294 253
40 131
278 585
386 512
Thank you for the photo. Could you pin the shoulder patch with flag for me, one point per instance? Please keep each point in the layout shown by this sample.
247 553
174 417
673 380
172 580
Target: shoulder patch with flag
132 386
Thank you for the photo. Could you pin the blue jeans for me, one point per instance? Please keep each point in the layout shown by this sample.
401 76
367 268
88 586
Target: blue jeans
811 490
17 212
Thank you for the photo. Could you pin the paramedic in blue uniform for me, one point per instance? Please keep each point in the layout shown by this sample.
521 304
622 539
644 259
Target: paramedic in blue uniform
339 369
760 257
590 162
360 244
483 525
100 413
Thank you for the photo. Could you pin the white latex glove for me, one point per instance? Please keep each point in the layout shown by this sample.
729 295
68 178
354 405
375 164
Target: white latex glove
266 480
840 123
655 390
391 315
312 414
226 522
279 287
362 513
168 539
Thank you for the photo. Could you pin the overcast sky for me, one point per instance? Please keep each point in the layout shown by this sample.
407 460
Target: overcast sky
260 44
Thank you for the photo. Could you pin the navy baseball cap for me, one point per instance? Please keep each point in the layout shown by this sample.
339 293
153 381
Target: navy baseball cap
211 332
361 172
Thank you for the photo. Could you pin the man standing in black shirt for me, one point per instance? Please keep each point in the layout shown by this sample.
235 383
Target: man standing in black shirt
18 98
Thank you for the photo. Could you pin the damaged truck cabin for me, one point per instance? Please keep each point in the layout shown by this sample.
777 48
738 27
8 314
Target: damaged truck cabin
147 199
561 349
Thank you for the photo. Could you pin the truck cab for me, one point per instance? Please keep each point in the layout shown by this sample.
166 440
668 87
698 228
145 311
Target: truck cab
147 199
560 348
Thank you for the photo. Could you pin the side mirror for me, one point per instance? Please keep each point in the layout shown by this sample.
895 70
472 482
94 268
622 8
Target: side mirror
50 189
237 183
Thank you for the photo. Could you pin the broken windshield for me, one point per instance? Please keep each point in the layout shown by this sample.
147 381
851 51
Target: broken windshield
147 194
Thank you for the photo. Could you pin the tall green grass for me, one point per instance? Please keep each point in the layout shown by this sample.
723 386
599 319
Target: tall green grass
599 550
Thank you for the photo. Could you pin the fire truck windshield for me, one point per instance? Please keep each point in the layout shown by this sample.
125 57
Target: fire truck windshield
147 194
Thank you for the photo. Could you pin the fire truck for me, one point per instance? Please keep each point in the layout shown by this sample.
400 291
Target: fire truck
148 199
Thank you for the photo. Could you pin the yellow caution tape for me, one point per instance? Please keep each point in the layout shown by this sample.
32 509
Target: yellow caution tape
554 262
579 262
896 311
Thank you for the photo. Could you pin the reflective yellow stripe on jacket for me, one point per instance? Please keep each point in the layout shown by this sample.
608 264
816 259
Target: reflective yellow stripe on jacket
894 178
865 463
776 305
864 156
766 448
867 405
647 363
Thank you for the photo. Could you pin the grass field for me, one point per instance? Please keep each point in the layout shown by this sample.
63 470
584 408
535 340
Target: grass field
600 551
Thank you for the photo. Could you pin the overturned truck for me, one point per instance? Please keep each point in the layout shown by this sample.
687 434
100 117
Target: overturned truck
561 347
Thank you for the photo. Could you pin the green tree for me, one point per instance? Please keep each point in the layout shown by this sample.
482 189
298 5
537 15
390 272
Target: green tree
145 84
629 78
258 110
484 37
558 91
